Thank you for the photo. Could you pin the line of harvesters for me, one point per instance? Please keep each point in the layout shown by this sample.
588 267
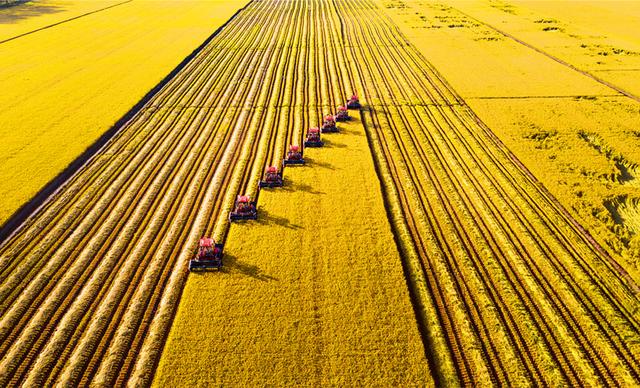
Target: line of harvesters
209 254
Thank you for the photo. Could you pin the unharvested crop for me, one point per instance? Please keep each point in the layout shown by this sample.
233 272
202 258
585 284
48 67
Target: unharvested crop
541 108
507 286
311 293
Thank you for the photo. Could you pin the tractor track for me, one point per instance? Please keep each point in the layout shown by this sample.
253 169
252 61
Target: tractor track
89 284
90 248
387 75
165 101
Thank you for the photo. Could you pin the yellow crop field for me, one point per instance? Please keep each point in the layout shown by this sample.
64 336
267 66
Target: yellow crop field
507 176
35 15
586 152
544 111
597 37
480 62
336 313
64 86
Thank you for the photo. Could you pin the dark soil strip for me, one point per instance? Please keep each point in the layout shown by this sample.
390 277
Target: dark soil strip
16 221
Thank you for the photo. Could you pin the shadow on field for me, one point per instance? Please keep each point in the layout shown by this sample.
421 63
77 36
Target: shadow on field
330 143
14 12
291 186
232 265
307 189
264 217
315 163
351 130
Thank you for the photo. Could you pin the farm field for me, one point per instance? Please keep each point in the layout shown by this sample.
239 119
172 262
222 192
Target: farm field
599 38
32 16
63 87
336 313
577 135
505 286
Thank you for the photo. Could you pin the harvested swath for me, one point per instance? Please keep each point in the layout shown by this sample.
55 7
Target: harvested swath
461 179
167 174
508 288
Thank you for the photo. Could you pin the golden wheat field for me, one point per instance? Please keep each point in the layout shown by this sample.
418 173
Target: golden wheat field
336 314
64 86
550 123
474 222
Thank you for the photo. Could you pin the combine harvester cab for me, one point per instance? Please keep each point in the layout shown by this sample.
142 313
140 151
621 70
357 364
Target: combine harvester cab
329 124
209 255
244 209
343 114
353 103
272 178
294 156
313 138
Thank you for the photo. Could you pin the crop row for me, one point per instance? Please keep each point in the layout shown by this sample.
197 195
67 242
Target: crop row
521 294
508 288
90 283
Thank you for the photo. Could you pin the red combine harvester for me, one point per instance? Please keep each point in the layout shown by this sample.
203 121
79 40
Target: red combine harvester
209 255
343 114
294 156
329 124
353 103
313 138
272 178
245 209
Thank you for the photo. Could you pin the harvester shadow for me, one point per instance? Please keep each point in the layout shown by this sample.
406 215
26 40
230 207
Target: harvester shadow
351 131
232 265
332 144
291 186
264 217
317 163
306 188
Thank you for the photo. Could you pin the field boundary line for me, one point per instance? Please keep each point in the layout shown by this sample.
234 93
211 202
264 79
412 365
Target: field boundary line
617 70
551 56
578 96
20 217
63 21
